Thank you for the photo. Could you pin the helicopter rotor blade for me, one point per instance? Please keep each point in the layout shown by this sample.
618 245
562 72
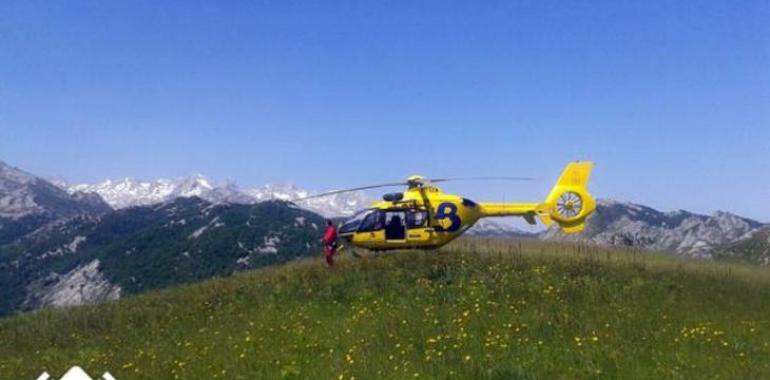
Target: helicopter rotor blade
333 192
480 179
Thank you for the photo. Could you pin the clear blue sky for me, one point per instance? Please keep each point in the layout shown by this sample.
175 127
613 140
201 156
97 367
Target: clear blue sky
671 99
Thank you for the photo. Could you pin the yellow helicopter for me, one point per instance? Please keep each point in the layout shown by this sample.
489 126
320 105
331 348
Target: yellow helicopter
424 217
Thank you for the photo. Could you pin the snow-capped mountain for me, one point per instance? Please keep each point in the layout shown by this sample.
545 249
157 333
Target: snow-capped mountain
130 192
682 232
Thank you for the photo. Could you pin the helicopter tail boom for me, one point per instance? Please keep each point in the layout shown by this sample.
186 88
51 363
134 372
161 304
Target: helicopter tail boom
568 204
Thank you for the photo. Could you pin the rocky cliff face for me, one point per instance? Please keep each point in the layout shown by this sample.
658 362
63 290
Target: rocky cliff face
84 284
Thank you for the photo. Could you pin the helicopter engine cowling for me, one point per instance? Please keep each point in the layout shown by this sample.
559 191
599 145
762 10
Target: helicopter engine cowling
393 197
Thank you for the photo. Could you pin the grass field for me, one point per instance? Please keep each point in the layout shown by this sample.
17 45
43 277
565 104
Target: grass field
479 309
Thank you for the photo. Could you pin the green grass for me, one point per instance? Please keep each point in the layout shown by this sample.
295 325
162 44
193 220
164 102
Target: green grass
479 309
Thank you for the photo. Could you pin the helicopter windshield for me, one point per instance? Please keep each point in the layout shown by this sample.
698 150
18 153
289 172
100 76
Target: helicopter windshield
351 225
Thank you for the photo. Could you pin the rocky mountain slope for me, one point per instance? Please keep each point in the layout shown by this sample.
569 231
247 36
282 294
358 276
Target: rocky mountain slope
753 249
28 203
681 232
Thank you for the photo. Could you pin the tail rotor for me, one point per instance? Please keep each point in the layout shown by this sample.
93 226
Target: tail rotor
569 202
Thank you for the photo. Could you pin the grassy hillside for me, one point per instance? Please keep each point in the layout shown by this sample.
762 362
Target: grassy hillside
481 309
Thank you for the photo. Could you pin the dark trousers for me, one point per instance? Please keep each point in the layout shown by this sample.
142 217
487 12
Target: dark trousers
329 250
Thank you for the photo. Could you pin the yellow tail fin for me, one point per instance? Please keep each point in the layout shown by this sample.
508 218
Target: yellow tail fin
569 203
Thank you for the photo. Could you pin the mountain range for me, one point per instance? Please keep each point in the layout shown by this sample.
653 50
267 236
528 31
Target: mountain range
130 192
64 244
63 248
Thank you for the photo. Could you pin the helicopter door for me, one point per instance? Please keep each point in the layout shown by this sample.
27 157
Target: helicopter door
416 223
395 225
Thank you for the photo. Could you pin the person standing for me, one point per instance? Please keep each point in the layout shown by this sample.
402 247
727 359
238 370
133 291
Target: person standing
330 242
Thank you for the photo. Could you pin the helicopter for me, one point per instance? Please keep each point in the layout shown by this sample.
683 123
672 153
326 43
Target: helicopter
424 217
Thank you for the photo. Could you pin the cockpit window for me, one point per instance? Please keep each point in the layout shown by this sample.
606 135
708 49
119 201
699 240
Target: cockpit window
375 220
372 222
351 225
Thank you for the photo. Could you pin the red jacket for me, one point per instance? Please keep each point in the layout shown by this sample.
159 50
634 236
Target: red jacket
330 235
